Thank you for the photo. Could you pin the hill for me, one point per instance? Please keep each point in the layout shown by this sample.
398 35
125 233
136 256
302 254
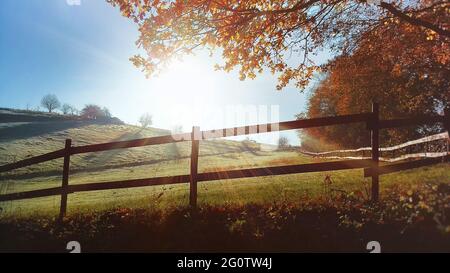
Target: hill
9 115
44 133
26 139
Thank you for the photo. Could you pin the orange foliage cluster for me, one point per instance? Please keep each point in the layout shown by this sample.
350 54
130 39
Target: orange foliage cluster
256 34
397 65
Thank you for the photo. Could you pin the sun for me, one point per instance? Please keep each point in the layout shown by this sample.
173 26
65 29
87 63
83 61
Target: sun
186 89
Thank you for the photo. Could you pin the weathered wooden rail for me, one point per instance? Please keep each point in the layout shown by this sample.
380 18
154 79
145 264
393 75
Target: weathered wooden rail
370 166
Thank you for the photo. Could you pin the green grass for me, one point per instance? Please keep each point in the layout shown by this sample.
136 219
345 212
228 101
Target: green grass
409 218
261 190
168 160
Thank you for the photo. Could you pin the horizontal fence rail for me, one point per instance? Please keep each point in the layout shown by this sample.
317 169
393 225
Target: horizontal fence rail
423 119
286 125
290 169
130 143
32 161
30 194
369 164
202 177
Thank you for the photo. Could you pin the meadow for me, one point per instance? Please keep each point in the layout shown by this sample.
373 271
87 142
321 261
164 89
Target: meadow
173 159
260 213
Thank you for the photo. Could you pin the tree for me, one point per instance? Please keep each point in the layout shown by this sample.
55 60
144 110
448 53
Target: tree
255 34
283 143
381 69
146 120
69 109
74 111
50 102
66 108
92 111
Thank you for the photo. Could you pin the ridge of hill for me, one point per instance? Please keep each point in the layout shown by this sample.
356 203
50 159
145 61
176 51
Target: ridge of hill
46 132
9 115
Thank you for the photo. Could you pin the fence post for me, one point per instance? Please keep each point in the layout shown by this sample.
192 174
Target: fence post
195 136
65 179
374 139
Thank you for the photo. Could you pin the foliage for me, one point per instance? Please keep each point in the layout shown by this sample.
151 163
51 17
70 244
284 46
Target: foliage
106 112
407 219
399 66
50 102
93 111
255 34
68 109
65 108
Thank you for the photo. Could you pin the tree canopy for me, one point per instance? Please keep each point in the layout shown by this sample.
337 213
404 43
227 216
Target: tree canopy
403 68
258 34
50 102
93 111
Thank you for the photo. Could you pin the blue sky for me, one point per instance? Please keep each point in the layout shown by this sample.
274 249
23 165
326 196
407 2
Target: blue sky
80 53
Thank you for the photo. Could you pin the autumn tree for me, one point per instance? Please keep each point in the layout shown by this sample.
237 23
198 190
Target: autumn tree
92 111
258 34
381 68
50 102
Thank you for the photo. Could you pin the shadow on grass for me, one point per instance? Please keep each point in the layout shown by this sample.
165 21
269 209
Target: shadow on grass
33 129
107 155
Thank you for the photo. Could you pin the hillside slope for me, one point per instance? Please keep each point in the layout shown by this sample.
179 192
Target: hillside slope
20 140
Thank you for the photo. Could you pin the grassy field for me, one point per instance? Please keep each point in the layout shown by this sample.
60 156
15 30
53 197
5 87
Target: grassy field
167 160
278 213
262 190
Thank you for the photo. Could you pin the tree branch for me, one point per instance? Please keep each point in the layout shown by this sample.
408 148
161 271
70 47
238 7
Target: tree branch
414 21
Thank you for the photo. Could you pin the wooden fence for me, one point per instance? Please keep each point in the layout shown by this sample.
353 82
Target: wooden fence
371 166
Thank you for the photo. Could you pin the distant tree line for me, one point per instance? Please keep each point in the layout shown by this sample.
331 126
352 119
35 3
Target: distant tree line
89 111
